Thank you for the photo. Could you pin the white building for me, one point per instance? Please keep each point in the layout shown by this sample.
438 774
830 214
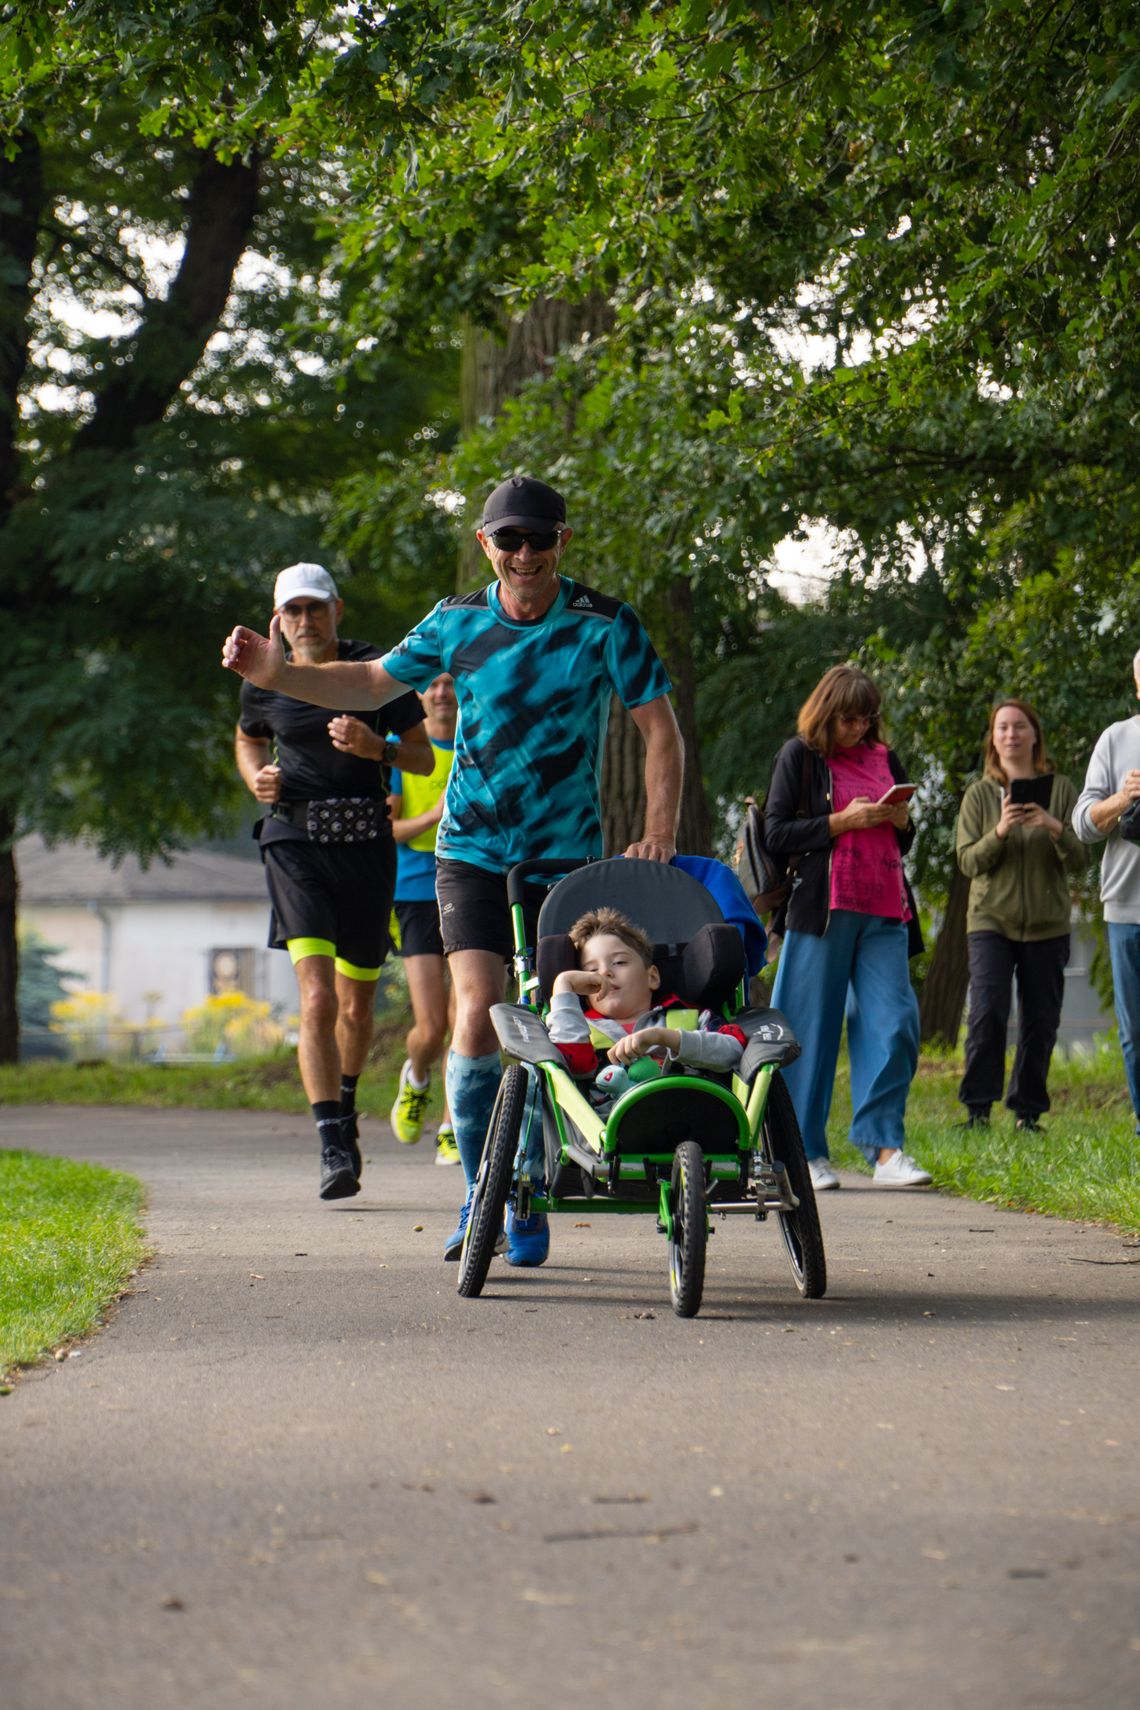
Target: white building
158 940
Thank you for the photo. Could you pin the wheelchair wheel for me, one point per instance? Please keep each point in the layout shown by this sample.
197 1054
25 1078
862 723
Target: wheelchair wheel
489 1197
690 1229
800 1228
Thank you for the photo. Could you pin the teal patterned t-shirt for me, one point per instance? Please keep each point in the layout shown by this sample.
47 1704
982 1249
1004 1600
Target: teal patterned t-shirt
534 702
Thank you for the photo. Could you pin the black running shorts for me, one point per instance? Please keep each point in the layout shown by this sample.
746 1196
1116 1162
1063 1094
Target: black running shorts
473 911
419 928
341 892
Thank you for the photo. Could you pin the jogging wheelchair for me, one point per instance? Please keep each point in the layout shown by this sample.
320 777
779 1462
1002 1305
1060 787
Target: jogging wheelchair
684 1146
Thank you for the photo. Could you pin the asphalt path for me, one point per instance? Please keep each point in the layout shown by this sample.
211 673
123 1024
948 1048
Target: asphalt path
295 1469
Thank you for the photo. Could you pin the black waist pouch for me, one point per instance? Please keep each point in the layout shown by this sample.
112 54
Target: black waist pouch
344 819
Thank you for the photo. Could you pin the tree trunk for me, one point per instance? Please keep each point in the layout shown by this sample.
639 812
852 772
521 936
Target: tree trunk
943 992
175 331
22 201
9 952
694 834
494 368
623 782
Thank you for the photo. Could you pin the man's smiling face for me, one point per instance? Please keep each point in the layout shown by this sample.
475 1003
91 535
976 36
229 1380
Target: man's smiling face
527 575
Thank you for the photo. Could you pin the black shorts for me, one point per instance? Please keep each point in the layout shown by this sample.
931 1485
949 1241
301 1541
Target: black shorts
473 911
341 892
419 928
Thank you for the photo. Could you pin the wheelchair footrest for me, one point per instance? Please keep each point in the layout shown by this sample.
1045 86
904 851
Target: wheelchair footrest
769 1181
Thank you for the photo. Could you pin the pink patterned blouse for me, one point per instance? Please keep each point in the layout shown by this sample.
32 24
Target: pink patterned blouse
866 866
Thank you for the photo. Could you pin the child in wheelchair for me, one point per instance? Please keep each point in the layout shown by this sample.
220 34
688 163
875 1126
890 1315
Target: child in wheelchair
604 1000
623 1028
624 1022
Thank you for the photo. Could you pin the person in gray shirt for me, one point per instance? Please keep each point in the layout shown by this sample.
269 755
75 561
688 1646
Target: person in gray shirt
1112 784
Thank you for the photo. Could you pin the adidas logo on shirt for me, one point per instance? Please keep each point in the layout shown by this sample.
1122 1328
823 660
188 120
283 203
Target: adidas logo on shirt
583 600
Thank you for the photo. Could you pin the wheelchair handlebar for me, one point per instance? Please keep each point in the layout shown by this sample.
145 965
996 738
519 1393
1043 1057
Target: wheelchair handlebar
552 870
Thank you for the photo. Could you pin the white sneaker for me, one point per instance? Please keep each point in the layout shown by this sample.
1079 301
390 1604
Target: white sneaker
822 1174
900 1170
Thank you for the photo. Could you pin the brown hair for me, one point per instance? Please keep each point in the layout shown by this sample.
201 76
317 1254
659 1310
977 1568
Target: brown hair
991 765
842 690
617 925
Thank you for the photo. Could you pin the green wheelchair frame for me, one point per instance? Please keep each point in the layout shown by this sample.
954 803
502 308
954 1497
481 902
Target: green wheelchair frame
683 1146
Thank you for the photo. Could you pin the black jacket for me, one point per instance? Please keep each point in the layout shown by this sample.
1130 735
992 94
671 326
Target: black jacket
787 833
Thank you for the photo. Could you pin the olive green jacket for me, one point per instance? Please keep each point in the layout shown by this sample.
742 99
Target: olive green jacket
1018 884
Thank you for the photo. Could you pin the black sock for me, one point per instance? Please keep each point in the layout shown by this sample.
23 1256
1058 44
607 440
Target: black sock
348 1094
327 1113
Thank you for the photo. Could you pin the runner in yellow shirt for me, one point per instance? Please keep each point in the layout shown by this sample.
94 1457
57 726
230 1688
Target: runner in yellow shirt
416 807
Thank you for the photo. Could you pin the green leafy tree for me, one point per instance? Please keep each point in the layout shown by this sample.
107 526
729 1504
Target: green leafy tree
178 406
941 199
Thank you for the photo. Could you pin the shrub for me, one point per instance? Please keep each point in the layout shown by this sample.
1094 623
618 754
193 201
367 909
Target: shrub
231 1025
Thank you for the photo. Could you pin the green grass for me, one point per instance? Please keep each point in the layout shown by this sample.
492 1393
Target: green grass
260 1083
69 1238
1084 1165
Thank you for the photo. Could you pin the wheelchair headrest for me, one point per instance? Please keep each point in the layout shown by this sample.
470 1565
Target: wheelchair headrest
666 903
699 957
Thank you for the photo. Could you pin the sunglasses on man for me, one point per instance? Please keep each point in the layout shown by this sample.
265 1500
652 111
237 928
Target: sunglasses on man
513 539
304 608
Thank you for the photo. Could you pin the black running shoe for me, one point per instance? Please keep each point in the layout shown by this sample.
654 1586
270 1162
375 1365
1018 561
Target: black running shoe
350 1139
338 1178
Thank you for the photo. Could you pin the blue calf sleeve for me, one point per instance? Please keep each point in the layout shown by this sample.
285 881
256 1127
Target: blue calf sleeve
472 1083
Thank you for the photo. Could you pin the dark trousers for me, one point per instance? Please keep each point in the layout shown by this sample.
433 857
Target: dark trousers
1040 971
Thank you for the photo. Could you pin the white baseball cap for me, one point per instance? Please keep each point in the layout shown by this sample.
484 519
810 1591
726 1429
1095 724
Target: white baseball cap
301 579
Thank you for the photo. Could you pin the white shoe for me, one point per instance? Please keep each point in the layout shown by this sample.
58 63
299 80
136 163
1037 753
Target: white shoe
822 1174
900 1170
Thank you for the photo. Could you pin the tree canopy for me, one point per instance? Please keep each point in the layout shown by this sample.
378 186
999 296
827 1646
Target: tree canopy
871 264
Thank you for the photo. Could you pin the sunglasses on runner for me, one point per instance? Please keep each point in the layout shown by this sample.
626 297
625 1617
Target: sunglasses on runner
512 539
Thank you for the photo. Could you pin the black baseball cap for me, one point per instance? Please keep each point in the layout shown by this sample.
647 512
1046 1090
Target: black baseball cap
523 502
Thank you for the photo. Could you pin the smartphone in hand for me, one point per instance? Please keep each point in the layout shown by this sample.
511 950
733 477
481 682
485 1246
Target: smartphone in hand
896 795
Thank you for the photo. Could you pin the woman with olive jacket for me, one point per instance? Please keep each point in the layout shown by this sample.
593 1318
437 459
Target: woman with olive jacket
849 925
1018 857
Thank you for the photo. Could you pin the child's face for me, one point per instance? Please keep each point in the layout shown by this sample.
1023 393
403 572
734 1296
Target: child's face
628 985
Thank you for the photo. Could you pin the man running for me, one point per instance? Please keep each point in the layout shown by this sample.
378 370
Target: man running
536 658
330 861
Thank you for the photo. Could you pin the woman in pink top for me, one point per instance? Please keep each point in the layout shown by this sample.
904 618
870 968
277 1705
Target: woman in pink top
849 929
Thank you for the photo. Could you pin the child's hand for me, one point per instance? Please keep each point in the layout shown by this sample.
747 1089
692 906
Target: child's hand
580 982
641 1044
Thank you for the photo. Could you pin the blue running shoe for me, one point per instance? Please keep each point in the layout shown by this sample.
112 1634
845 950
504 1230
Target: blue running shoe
453 1246
528 1238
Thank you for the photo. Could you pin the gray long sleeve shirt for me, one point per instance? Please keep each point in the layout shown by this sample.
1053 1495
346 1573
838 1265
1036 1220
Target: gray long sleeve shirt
1117 751
701 1048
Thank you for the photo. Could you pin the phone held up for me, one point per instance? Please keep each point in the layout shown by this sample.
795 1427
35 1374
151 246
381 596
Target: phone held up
1023 792
896 795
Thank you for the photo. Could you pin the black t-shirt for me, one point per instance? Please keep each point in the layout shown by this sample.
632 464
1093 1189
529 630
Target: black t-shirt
311 768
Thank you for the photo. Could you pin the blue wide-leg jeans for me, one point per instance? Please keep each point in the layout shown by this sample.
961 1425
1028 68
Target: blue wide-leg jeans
1124 952
858 968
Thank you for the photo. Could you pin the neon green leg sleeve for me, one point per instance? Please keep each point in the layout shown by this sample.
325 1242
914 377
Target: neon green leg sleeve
298 948
353 973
